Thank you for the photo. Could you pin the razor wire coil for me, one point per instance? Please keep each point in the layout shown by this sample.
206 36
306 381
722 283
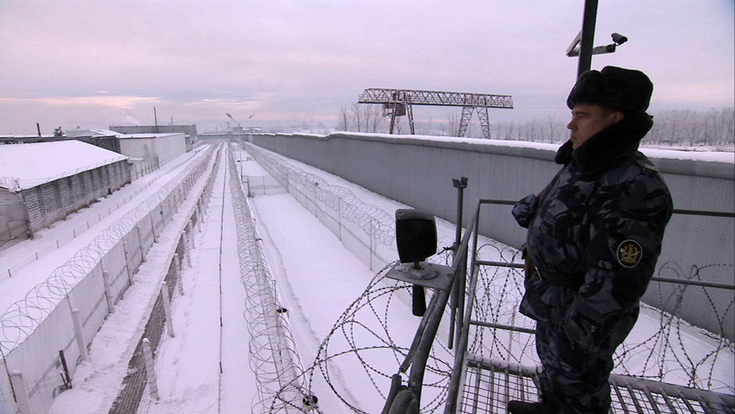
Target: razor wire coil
661 357
273 355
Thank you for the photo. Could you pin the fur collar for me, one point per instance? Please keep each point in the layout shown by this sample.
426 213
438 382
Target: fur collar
609 145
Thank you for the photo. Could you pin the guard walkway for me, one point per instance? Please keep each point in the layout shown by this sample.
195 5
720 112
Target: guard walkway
490 384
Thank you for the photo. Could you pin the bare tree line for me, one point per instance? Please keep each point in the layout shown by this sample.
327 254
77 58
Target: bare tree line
713 128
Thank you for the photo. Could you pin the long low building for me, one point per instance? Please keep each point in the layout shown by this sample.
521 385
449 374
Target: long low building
42 183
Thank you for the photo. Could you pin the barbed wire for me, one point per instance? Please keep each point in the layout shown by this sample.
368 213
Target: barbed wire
662 356
497 302
273 355
22 317
368 217
364 338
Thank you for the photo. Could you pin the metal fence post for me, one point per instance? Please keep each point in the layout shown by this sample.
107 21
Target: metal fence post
153 222
127 262
187 247
79 334
150 369
371 244
339 216
167 309
140 243
21 393
108 291
177 269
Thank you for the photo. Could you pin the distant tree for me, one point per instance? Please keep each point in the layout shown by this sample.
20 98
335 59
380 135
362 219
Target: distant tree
509 129
453 120
553 127
373 117
344 120
357 116
715 127
687 127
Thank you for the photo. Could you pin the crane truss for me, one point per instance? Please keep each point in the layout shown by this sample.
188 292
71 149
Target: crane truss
398 102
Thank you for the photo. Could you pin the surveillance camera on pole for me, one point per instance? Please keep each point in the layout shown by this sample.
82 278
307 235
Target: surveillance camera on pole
618 39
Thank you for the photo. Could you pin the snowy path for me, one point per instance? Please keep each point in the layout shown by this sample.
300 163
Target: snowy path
317 279
204 368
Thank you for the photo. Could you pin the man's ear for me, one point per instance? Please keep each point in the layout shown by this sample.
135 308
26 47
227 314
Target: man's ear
618 116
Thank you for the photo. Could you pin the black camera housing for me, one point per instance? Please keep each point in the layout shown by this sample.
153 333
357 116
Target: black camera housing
415 235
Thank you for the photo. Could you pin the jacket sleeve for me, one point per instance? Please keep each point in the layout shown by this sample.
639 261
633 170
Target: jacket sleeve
625 235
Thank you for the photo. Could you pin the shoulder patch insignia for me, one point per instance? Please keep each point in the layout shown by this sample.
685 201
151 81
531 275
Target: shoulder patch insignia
629 253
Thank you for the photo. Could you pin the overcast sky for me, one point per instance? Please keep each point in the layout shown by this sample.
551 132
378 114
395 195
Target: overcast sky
98 63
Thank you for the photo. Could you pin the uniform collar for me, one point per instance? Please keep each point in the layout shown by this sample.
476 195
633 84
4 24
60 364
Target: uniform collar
609 146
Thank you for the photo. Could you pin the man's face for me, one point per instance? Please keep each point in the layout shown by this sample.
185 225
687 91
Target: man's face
588 120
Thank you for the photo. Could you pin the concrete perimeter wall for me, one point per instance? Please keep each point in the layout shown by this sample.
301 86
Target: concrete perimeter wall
418 171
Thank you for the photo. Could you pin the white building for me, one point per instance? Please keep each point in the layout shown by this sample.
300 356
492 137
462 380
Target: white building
164 147
41 183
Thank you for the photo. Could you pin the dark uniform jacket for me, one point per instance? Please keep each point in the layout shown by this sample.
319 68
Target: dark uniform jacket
595 234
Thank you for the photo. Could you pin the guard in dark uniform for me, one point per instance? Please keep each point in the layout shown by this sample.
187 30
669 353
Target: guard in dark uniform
594 236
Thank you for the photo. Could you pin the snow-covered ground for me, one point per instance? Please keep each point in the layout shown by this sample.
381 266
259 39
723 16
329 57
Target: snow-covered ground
205 367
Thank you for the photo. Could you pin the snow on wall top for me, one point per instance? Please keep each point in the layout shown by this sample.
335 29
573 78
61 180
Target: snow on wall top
692 154
24 166
148 136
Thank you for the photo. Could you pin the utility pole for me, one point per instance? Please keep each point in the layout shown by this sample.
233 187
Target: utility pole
155 118
589 21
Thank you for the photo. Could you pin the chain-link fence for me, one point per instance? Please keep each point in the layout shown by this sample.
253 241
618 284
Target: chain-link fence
366 230
137 380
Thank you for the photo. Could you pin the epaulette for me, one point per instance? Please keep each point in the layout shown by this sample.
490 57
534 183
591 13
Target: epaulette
645 162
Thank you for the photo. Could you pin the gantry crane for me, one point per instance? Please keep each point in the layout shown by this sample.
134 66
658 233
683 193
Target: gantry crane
398 102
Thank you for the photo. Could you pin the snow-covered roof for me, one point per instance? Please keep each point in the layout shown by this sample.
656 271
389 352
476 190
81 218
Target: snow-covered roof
148 135
92 133
24 166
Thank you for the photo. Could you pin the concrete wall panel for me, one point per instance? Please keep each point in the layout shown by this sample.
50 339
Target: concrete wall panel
418 171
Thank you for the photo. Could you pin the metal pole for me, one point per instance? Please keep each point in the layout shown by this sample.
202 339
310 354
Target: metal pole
588 36
460 185
21 392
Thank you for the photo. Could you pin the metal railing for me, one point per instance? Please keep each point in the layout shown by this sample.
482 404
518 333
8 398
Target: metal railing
480 384
487 371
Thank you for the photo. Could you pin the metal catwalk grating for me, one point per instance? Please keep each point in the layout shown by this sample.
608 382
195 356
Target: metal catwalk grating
490 384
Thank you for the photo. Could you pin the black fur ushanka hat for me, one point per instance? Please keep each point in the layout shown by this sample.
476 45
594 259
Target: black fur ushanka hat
628 90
